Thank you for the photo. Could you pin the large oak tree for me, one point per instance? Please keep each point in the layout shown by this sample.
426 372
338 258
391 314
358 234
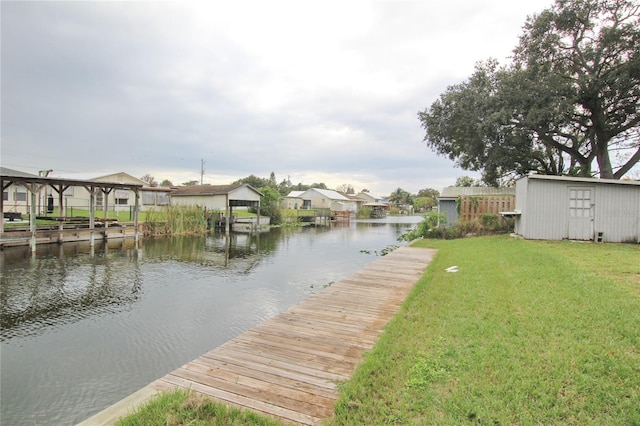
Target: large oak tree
567 103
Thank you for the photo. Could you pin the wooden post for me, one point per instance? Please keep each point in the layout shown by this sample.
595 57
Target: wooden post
32 214
2 206
92 215
61 212
227 213
60 190
258 219
135 214
105 208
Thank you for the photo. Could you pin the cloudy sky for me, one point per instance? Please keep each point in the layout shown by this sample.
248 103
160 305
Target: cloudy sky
316 91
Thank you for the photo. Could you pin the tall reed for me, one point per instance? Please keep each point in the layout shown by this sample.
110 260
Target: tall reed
175 220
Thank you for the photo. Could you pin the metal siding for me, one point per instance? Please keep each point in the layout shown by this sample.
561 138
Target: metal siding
215 202
521 205
448 207
617 213
244 193
545 209
546 214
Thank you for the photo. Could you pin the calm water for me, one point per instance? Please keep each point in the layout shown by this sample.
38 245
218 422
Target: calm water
82 330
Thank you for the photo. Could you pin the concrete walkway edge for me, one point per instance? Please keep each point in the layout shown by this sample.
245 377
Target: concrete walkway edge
122 408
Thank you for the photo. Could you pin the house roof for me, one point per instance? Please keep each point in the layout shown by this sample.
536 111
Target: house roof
4 171
353 197
457 191
96 177
208 190
582 179
295 194
332 195
22 177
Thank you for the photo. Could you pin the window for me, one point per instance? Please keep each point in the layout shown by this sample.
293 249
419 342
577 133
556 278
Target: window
20 196
148 198
5 195
122 197
580 202
162 199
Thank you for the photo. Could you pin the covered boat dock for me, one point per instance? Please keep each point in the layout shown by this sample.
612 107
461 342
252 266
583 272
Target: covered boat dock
34 186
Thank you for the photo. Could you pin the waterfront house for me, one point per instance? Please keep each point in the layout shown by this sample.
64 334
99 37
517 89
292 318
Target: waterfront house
115 200
328 199
294 200
15 200
216 197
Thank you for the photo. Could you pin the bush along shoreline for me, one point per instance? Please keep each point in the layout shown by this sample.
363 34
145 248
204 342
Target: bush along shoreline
435 226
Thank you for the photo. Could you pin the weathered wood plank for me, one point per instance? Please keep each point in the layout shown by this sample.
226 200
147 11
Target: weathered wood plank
289 366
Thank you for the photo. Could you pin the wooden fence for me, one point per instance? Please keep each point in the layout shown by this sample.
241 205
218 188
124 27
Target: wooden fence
474 207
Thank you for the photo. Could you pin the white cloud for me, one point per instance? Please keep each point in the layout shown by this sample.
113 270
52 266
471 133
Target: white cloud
320 91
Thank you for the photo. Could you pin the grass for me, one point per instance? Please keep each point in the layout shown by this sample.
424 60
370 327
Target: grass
525 333
121 216
189 408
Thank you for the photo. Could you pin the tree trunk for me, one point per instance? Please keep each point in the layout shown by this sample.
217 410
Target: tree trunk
604 161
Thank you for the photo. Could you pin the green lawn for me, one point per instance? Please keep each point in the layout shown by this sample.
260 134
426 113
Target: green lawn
189 408
525 333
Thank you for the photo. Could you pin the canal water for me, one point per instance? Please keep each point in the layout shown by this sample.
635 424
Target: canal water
82 328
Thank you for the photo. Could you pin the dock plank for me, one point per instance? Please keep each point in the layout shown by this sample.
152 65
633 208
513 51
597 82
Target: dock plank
289 366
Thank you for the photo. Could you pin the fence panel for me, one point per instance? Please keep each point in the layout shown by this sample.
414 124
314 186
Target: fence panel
474 207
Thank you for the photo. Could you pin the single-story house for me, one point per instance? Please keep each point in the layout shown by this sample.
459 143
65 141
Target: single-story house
294 200
117 199
216 197
574 208
359 202
366 197
15 197
328 199
470 202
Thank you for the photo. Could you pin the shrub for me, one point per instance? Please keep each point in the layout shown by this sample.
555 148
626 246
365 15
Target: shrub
432 227
363 213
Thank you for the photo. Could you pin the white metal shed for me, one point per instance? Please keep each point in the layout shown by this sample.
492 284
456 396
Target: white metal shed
573 208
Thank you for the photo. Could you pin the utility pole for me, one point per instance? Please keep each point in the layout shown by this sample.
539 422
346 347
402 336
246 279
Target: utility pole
201 170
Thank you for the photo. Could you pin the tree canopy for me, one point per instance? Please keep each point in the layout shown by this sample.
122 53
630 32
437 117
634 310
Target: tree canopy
345 188
150 180
400 197
254 181
467 181
566 104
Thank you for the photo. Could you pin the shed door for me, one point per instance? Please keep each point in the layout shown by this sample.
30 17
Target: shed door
581 208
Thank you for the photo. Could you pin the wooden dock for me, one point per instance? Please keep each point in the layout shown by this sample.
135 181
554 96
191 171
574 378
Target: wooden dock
289 367
70 233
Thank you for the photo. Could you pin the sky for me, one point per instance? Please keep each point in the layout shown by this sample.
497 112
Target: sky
313 91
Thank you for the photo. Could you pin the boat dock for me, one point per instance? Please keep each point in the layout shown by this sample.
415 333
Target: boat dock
290 366
70 231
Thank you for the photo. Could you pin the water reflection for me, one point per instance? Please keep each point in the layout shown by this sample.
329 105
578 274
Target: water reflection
64 283
83 328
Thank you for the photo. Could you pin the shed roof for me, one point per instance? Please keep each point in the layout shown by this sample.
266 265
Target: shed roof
583 179
295 194
209 190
